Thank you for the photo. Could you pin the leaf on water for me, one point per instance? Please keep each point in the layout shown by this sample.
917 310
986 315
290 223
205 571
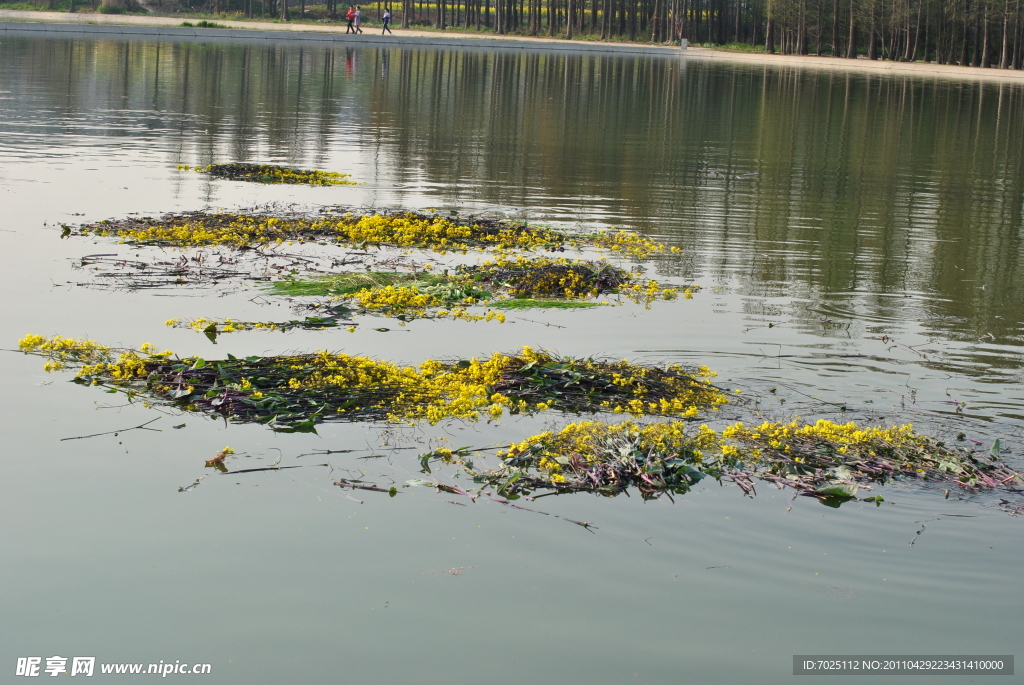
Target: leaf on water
843 490
692 474
996 448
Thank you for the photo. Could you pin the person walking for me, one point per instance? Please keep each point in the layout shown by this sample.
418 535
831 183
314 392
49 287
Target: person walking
359 19
387 22
350 16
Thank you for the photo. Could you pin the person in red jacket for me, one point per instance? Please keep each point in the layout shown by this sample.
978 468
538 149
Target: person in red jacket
351 17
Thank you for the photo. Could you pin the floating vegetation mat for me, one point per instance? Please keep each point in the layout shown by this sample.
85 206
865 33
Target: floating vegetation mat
832 462
337 226
526 282
296 392
269 173
212 328
563 280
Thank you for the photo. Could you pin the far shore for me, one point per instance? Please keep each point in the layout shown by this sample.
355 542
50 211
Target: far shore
463 37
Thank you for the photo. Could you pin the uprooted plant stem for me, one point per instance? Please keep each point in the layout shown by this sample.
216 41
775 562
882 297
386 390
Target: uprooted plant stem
831 462
296 392
207 268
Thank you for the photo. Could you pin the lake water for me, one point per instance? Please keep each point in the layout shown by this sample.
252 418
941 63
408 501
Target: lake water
860 246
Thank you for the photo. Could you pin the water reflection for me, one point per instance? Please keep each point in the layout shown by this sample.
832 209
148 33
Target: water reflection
863 201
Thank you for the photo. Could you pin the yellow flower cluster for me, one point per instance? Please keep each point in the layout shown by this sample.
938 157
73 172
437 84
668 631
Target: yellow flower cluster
399 230
433 391
92 358
585 443
781 436
395 299
62 351
647 291
412 301
579 446
629 243
533 380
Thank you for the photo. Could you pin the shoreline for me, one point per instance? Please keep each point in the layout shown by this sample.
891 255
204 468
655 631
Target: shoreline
114 24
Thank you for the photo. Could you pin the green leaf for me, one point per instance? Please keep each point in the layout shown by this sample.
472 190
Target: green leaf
996 448
502 489
843 490
199 363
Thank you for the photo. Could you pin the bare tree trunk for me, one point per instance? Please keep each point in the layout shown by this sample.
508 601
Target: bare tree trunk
873 40
1004 51
927 37
984 42
851 43
912 56
1015 61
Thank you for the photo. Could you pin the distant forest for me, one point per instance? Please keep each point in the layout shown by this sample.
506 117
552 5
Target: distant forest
979 33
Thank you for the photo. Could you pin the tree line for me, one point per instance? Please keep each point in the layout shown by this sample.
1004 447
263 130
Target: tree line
979 33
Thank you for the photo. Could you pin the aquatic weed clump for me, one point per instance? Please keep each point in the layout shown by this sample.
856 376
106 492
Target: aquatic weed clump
802 455
296 392
403 296
829 461
546 277
560 278
406 230
269 173
243 230
214 327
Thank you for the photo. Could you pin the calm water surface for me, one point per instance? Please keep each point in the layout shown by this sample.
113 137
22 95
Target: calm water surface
859 243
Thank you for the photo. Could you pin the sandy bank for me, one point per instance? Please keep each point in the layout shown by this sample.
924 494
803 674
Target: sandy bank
861 65
336 32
